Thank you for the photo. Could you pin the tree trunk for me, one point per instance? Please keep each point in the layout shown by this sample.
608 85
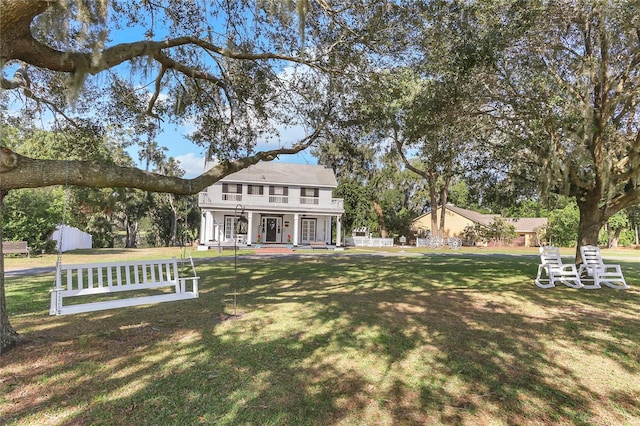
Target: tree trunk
433 200
444 192
174 228
615 240
383 224
8 336
132 233
174 221
591 220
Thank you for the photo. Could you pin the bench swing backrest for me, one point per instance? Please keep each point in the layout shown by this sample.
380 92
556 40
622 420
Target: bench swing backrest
94 279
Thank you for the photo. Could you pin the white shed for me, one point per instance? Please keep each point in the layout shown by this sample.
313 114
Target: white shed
72 238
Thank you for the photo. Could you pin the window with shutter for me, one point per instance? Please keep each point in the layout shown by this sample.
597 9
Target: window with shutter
309 196
255 189
278 194
231 192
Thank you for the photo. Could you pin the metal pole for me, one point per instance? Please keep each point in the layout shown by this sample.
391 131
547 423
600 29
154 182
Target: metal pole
235 237
235 255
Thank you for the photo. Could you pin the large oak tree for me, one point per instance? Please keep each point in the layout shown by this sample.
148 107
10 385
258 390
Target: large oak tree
568 92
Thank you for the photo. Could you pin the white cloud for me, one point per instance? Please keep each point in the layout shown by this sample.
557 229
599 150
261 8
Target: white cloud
192 164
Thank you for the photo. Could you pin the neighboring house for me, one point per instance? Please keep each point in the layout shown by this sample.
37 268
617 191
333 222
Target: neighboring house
281 201
526 228
457 219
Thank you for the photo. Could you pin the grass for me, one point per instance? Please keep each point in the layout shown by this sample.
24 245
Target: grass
415 338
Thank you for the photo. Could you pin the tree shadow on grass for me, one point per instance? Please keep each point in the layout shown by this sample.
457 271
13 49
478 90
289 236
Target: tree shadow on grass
337 340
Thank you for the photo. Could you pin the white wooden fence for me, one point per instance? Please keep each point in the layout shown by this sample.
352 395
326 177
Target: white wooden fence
369 242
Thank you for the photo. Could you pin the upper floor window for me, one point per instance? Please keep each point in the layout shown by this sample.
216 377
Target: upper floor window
232 192
309 195
255 190
278 194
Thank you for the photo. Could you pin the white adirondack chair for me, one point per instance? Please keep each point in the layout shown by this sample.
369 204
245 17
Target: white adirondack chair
551 270
601 273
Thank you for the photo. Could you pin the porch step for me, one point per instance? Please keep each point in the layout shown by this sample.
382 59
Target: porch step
273 250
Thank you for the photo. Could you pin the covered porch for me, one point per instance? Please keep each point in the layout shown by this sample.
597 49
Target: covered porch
218 228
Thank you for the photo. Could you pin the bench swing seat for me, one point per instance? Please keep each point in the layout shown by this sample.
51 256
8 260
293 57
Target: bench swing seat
78 286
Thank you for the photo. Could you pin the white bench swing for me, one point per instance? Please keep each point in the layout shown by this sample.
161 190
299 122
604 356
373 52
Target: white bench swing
99 286
84 282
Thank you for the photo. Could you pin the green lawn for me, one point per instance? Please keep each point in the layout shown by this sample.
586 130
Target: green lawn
335 339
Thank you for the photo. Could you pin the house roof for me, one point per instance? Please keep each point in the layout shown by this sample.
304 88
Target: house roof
284 174
522 224
527 224
482 219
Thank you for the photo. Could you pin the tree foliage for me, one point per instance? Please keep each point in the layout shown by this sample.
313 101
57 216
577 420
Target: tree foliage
563 226
236 71
32 215
378 192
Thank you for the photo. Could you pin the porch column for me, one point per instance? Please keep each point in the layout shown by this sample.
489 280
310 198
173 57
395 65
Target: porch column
296 227
208 226
203 228
327 229
215 234
250 228
338 230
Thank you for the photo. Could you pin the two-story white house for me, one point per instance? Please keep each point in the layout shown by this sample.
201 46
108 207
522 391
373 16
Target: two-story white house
282 202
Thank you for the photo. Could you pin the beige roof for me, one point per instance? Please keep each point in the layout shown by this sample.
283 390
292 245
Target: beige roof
527 224
522 224
285 174
482 219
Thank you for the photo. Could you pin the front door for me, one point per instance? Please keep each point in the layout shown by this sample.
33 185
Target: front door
271 229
